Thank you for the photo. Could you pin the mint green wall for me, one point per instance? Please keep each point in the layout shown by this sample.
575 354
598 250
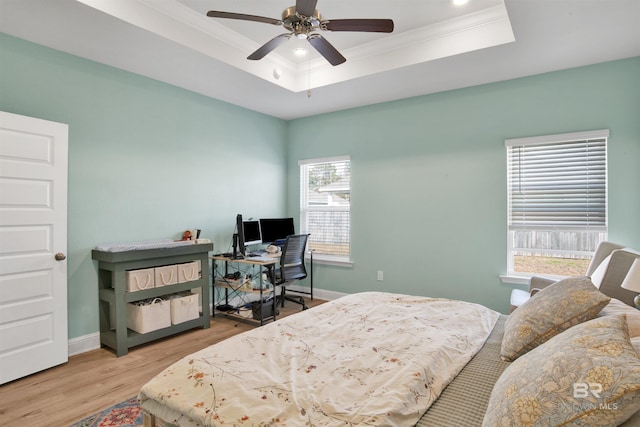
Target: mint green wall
429 176
146 160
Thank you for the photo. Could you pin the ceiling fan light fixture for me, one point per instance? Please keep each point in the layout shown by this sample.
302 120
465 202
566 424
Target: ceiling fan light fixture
301 21
459 3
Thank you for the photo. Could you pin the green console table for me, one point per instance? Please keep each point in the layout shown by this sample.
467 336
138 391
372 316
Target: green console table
112 290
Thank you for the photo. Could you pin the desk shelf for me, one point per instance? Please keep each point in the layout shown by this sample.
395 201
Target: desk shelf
112 291
236 286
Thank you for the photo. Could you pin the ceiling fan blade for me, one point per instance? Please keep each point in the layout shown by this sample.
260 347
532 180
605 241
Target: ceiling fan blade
306 7
365 25
326 49
243 17
269 46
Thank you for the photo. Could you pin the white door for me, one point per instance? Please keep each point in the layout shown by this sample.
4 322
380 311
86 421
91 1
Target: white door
33 245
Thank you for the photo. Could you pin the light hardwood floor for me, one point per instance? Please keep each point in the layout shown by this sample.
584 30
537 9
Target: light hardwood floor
97 379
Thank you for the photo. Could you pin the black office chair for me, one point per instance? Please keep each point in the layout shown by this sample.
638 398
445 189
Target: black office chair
292 266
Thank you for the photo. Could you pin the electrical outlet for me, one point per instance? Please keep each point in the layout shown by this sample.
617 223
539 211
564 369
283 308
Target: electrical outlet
380 276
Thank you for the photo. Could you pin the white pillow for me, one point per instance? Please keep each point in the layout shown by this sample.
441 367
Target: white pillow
599 272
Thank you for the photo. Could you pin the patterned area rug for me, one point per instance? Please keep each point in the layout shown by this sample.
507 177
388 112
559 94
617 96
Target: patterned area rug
124 414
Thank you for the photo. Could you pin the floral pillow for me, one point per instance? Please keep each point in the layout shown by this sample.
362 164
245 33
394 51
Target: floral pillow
616 306
552 310
588 375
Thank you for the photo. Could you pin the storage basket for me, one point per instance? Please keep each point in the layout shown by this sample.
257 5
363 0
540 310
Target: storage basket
188 272
167 275
138 280
148 315
184 306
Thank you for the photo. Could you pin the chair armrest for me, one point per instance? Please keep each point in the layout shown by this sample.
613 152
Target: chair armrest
619 265
603 250
537 283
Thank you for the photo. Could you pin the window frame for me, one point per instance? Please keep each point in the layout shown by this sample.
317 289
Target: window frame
539 141
305 208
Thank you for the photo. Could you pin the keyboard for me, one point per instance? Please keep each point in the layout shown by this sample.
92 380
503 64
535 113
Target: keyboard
256 254
260 258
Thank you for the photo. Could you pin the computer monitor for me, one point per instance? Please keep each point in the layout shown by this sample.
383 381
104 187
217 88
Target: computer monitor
239 248
246 233
276 230
251 232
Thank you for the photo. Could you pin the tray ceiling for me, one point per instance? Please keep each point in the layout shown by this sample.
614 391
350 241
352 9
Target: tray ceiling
435 45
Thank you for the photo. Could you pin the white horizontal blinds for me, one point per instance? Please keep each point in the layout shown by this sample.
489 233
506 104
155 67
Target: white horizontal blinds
325 205
558 184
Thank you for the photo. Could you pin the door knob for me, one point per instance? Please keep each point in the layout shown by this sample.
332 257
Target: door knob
60 256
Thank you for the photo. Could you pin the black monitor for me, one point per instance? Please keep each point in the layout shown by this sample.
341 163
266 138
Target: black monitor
239 249
276 230
247 233
251 232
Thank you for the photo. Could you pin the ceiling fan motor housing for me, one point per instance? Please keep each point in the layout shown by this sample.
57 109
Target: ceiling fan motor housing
300 25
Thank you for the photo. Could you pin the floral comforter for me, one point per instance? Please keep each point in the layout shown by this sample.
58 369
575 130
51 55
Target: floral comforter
365 359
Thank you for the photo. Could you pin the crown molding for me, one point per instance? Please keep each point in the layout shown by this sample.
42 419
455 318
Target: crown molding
178 23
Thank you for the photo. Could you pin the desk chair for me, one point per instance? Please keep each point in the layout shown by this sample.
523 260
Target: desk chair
292 266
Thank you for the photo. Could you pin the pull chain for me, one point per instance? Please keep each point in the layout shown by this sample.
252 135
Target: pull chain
309 76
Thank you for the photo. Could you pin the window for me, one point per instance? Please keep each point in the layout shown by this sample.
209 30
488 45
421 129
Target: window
557 201
325 213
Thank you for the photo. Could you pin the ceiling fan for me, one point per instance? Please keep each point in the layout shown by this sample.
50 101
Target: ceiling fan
302 20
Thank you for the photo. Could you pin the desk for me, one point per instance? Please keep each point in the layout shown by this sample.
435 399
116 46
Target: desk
237 286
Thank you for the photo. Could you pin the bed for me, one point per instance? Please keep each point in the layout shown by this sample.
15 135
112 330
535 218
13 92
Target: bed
379 359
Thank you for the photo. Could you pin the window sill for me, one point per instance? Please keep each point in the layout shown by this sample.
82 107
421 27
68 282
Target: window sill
330 260
524 278
514 280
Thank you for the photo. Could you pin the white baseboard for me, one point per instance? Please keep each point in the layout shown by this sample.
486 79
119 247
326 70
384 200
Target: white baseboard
84 343
90 342
319 293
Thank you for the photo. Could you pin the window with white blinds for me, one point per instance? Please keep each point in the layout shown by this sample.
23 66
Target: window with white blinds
325 212
557 195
